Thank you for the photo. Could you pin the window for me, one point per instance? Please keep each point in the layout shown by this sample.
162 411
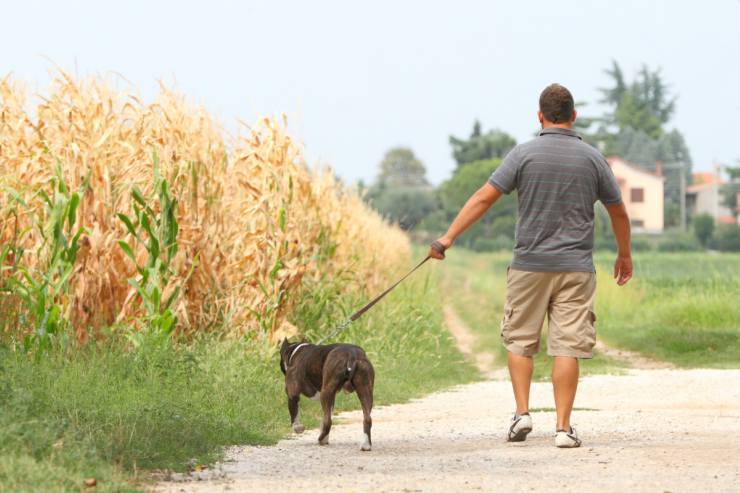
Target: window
637 195
637 223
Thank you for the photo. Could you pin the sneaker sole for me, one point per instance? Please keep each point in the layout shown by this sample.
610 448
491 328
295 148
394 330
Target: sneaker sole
569 446
520 435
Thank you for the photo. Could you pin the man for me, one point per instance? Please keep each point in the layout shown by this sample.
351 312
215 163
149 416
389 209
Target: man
558 178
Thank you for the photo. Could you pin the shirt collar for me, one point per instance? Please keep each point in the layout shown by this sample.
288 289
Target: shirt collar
560 131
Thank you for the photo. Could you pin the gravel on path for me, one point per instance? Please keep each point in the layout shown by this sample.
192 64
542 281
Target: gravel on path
648 430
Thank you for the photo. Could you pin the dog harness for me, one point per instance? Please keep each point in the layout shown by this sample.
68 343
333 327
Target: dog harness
299 346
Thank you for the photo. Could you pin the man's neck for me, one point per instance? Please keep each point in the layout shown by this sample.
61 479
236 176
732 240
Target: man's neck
568 125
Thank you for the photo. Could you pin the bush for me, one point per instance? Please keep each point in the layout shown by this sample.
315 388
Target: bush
641 245
703 227
407 206
728 238
678 243
605 243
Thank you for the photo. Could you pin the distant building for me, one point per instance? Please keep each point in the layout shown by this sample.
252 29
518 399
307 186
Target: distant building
704 196
642 193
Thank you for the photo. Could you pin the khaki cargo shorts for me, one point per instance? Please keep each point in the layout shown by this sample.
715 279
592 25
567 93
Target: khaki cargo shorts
568 300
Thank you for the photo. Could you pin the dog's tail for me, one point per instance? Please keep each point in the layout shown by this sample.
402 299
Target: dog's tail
349 372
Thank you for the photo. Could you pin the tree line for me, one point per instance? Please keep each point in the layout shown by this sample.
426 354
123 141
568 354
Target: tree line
635 126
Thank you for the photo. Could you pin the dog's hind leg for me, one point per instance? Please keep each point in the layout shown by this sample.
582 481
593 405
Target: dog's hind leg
364 387
293 409
327 404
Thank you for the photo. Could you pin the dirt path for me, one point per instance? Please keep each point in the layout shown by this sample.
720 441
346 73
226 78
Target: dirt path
650 430
635 360
466 342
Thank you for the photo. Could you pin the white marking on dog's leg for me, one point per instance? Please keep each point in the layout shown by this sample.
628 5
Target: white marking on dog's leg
297 426
366 447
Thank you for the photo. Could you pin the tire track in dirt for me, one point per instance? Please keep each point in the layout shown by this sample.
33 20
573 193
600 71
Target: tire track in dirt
485 361
633 359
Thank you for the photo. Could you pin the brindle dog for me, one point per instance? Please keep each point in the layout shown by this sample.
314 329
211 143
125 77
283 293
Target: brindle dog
320 372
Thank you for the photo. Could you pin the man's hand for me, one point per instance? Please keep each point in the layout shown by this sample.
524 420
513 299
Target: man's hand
623 269
445 242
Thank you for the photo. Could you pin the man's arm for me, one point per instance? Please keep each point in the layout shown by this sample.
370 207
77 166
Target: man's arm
474 208
621 227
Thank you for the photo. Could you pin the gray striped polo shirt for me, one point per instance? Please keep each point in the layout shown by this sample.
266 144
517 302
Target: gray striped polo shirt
558 178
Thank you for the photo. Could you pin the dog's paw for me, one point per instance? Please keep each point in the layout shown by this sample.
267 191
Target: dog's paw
298 428
324 441
366 447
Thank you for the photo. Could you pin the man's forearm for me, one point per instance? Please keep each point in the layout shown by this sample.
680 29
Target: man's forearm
474 208
621 227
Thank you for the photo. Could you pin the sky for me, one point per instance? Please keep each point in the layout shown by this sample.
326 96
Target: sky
357 78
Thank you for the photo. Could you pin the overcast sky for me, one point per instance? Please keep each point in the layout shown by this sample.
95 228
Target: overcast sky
357 78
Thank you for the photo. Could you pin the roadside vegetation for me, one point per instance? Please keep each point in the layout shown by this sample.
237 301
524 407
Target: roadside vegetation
105 411
147 271
679 307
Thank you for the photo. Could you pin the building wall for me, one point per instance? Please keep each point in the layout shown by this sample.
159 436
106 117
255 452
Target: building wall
642 193
709 201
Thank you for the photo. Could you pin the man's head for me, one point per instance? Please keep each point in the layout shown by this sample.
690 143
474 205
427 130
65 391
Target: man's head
556 107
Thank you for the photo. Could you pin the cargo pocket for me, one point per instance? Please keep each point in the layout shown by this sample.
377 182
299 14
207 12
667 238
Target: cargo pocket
506 322
590 335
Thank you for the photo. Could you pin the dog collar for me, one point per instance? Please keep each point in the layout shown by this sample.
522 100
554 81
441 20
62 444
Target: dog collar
299 346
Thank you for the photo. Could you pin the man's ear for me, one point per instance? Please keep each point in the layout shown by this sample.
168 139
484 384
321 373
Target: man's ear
573 118
541 118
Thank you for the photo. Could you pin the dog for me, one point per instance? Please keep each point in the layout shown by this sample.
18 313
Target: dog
319 372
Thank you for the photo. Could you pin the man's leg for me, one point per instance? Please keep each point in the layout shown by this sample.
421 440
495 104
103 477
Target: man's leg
520 370
564 385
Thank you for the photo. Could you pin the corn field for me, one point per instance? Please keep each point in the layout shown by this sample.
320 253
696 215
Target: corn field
253 222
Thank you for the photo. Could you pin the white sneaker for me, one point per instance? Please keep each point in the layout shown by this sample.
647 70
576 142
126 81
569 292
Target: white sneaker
567 439
521 425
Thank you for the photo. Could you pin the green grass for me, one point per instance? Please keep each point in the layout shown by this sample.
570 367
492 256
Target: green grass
108 413
680 307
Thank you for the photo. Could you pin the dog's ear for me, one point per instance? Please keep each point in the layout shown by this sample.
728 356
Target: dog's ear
284 344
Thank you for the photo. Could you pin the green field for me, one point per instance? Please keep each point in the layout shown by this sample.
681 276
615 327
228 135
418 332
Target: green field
679 307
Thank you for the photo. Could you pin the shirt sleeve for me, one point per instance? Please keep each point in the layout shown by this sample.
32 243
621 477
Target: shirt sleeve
504 177
609 192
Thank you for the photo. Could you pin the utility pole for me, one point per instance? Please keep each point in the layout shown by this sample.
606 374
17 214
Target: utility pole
682 198
681 167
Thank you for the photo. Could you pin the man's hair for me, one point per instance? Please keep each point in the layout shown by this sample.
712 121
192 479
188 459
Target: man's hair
556 104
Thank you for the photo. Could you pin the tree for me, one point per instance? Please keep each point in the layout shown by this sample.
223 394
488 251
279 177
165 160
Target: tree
401 192
703 228
635 126
642 105
401 168
454 192
494 144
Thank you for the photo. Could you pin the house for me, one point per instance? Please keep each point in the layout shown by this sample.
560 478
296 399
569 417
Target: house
704 196
642 193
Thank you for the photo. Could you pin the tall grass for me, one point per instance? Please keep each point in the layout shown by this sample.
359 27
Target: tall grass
253 218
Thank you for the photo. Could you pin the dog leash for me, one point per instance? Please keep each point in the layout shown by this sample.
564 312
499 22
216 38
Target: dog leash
437 246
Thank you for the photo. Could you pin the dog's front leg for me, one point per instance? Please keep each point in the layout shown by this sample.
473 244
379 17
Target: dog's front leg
327 404
293 408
